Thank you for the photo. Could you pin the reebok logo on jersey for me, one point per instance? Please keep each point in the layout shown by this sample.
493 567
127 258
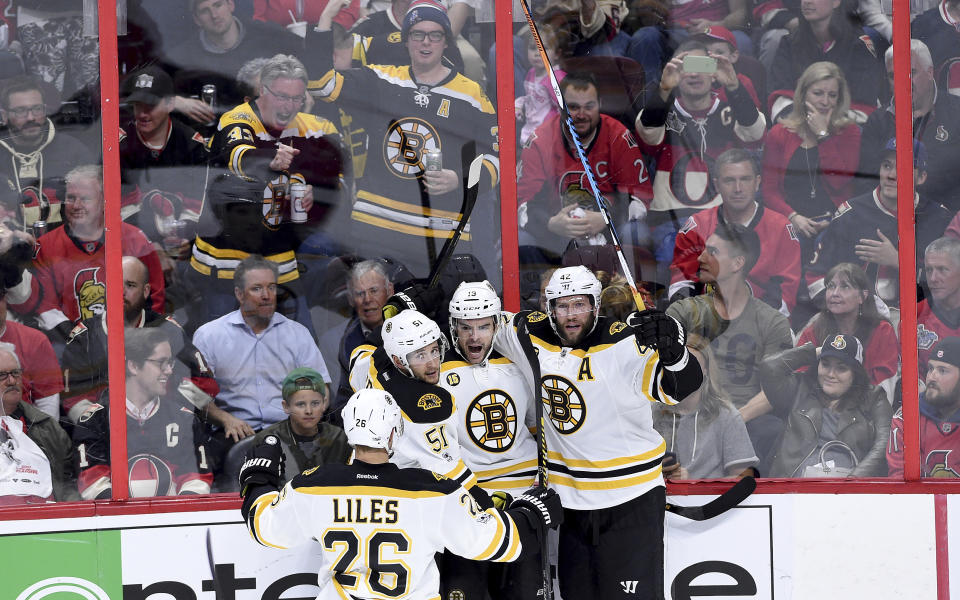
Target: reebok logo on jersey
629 587
365 476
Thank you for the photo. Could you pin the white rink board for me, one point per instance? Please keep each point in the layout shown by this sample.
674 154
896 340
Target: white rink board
789 547
853 546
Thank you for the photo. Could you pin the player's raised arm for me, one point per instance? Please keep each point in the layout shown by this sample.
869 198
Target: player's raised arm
681 374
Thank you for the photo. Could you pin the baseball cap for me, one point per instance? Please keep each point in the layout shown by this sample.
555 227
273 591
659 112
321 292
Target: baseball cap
845 347
149 85
947 350
303 378
426 10
716 33
919 152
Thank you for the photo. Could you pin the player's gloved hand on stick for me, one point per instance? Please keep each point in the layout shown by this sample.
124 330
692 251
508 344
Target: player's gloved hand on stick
264 467
541 505
656 329
416 297
501 499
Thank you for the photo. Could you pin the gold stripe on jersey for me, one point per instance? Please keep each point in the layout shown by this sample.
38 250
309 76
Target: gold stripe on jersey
497 540
406 207
610 484
464 89
207 258
578 352
524 483
613 462
328 87
461 474
402 228
491 473
368 490
456 364
259 506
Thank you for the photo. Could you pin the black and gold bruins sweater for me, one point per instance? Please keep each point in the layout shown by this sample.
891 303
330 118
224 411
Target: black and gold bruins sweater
404 119
245 146
380 527
429 439
597 395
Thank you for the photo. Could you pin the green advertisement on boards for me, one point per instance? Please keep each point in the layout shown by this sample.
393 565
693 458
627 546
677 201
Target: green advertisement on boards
82 565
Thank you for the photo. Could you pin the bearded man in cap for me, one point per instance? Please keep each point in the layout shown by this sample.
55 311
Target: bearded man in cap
939 416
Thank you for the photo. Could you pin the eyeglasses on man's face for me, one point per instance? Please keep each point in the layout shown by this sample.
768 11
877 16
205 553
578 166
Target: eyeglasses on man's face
162 363
14 373
433 36
285 99
22 111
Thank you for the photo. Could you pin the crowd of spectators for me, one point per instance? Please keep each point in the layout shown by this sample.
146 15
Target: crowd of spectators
286 166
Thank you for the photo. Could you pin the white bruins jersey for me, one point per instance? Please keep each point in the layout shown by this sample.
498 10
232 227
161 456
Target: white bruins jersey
602 449
494 412
429 438
380 528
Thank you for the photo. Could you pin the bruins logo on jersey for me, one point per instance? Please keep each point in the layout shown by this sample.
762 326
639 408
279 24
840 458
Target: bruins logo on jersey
428 401
453 379
492 421
536 317
567 410
404 144
617 327
275 201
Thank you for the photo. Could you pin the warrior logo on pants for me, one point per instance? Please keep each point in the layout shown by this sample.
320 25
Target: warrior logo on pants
564 404
404 144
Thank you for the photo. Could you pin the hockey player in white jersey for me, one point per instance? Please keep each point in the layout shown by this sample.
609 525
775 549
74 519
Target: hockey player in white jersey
380 525
599 378
407 365
494 411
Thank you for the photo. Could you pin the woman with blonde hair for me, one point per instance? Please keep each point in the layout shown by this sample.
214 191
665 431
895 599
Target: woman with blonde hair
810 157
705 435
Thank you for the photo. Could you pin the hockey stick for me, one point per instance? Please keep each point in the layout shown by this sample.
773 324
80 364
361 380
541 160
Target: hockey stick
601 203
727 500
471 188
534 360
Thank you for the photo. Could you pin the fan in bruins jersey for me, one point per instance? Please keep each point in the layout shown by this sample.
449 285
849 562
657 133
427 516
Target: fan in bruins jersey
379 525
268 140
599 378
401 209
496 409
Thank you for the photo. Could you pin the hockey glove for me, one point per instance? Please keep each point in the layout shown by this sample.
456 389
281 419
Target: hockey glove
541 506
264 467
501 499
416 297
655 329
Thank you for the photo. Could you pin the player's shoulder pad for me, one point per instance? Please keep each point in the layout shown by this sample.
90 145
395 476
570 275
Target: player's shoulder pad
76 332
90 412
610 331
420 402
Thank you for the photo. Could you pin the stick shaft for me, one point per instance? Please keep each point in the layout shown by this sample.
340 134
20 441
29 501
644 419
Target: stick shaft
601 204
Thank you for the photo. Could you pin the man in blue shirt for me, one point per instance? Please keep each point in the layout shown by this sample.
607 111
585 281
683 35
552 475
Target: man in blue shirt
250 350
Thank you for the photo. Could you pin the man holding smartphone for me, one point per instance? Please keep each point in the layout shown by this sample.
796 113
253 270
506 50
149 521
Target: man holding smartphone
685 125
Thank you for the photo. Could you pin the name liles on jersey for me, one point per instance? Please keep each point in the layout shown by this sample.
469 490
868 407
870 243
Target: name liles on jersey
365 510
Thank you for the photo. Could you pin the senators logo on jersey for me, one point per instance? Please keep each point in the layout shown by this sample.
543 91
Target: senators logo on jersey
567 410
938 465
404 144
491 421
91 293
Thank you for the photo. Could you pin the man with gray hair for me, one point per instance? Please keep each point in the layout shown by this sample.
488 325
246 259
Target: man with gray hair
938 315
70 279
936 123
368 287
45 447
248 139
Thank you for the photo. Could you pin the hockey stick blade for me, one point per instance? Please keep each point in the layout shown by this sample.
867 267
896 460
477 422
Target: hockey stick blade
727 500
470 193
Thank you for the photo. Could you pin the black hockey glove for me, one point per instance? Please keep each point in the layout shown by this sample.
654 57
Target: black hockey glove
656 329
264 467
416 297
541 506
